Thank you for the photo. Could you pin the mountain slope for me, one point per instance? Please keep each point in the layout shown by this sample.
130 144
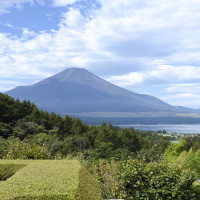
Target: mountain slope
77 90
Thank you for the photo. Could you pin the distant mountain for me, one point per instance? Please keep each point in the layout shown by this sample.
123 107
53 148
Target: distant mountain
78 92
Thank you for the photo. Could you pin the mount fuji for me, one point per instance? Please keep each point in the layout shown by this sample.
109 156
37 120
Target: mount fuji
78 92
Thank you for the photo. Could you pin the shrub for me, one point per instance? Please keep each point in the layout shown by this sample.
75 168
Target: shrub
190 160
174 150
176 154
106 174
149 155
156 181
69 148
16 149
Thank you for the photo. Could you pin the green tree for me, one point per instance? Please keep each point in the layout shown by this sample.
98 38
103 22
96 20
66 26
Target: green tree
65 126
35 115
174 150
104 151
128 139
5 130
78 127
105 135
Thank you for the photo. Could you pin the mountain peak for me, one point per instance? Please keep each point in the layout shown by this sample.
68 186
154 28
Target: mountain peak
75 75
83 77
74 70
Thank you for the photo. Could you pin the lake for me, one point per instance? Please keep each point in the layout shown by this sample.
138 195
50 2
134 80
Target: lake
178 128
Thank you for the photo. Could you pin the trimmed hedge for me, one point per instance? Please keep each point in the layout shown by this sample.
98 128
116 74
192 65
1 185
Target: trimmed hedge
88 187
49 180
6 171
44 197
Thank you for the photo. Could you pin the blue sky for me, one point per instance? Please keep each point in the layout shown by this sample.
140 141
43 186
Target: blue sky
146 46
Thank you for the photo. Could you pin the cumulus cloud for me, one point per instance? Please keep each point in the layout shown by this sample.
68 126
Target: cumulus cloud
4 5
175 73
126 80
73 19
183 87
163 73
8 84
64 2
185 99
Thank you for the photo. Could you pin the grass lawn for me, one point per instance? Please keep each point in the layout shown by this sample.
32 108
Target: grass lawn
49 179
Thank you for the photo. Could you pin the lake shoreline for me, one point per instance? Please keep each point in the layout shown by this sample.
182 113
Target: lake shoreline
170 128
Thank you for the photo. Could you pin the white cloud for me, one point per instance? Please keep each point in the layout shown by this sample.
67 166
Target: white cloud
7 25
178 72
8 84
5 4
64 2
167 73
27 34
184 99
73 19
183 87
131 79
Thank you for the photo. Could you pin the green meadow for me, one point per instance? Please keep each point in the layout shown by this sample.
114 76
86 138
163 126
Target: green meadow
48 179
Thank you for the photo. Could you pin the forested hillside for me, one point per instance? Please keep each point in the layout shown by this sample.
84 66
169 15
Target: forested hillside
128 163
24 121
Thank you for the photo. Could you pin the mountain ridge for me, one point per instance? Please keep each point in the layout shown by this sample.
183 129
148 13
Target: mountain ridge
76 90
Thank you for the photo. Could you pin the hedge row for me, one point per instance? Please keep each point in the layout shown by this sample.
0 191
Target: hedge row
6 171
48 180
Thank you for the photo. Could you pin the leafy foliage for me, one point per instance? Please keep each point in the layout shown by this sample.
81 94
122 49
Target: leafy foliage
106 174
176 154
156 181
17 149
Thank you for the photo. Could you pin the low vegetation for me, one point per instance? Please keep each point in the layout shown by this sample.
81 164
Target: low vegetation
6 171
48 179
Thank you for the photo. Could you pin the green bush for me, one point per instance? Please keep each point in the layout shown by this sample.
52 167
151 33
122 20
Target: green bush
16 149
69 148
176 154
149 155
106 173
174 150
156 181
